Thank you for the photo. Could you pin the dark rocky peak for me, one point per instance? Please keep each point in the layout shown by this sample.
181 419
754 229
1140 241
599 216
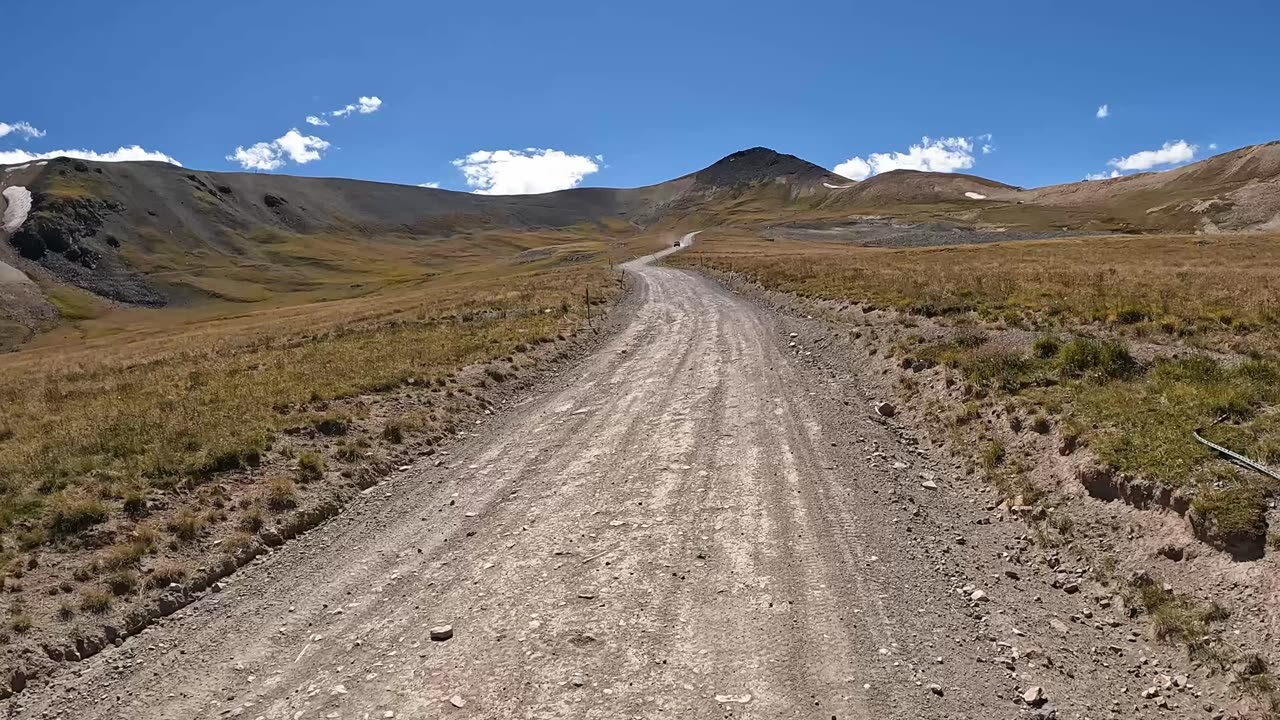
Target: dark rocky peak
761 165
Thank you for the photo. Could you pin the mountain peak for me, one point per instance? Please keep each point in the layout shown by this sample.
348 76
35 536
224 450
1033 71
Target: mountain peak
758 165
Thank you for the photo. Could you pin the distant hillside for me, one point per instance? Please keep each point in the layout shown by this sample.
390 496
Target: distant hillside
1237 191
1234 191
122 231
152 234
909 187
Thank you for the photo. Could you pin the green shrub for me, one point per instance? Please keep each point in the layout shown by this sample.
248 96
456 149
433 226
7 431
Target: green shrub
135 505
393 431
281 494
310 466
21 622
166 574
992 455
1129 315
96 602
1046 346
1090 359
252 520
187 525
352 450
73 515
122 582
332 424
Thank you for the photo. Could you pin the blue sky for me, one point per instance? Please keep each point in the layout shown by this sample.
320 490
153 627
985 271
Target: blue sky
635 93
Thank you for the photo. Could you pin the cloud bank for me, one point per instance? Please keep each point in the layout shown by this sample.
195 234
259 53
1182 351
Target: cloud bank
131 153
524 172
272 155
1171 153
947 154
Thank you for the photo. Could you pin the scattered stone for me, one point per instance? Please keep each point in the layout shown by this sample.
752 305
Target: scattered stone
1034 696
979 596
1058 625
577 681
440 633
929 485
884 409
457 701
1151 692
936 689
743 698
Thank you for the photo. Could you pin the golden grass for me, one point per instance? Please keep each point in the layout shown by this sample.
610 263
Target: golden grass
1223 290
147 398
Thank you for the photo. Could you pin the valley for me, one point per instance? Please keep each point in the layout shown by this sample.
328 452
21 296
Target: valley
751 440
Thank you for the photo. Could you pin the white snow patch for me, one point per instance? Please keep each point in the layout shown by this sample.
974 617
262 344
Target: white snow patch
17 205
838 187
975 196
24 167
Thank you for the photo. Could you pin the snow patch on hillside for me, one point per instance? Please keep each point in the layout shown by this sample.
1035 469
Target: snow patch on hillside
17 205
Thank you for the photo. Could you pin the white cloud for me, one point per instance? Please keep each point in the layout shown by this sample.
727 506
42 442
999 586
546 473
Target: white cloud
1171 153
521 172
259 156
317 121
294 145
132 153
1103 111
945 155
988 148
301 148
24 129
432 184
1103 175
1213 146
363 105
855 168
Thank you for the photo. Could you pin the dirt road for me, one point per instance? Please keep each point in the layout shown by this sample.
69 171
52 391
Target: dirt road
695 525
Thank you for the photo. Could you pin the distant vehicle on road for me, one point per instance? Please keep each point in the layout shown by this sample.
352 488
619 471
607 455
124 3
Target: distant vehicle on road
675 244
